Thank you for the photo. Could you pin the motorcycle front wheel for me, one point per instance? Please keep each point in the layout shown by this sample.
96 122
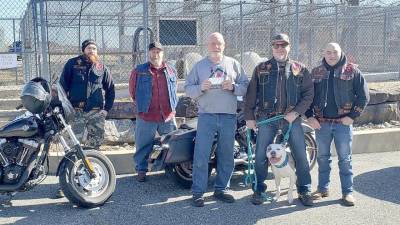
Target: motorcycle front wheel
82 190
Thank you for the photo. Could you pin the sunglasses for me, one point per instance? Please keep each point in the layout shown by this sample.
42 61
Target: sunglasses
283 45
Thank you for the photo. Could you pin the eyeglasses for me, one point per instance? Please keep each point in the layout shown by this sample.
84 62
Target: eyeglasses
283 45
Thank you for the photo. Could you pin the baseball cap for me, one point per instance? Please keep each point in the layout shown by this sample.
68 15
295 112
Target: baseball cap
280 38
155 45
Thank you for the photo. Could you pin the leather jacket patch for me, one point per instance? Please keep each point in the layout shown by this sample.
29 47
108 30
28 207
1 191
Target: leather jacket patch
319 73
348 72
264 69
79 67
98 69
296 68
346 108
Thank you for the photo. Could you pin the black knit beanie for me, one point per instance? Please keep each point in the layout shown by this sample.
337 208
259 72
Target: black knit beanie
88 42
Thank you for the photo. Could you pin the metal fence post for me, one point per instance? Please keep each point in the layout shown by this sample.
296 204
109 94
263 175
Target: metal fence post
145 26
45 60
296 31
15 51
103 43
336 23
36 38
25 58
241 33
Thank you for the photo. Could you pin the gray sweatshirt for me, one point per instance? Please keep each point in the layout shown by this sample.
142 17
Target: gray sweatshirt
216 100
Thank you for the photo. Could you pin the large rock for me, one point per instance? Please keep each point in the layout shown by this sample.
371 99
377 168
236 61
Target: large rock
186 107
186 63
250 61
122 110
377 97
394 95
119 131
379 113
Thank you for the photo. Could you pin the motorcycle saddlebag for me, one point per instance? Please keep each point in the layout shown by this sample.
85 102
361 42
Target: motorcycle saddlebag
181 146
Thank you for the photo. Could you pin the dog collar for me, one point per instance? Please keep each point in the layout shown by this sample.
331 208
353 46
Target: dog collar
284 162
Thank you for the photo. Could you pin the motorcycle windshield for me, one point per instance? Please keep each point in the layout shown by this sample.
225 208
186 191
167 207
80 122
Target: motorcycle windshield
66 104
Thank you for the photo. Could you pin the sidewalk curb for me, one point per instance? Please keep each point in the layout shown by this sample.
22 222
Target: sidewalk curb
371 141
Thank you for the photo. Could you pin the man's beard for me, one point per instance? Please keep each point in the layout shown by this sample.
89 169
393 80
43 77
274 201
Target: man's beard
215 54
93 58
281 58
215 57
156 62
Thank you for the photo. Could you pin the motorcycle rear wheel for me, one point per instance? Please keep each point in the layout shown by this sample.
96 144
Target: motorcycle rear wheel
182 173
311 149
83 191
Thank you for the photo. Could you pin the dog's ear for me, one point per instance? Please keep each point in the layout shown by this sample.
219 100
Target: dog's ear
287 149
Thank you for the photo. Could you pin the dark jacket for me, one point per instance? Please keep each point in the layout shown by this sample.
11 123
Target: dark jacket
83 83
350 91
141 89
261 97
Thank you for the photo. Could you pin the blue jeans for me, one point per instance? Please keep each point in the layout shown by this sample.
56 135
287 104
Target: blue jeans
265 136
207 126
144 137
342 135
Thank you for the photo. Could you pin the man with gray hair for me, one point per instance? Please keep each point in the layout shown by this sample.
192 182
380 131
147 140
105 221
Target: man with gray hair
340 95
215 82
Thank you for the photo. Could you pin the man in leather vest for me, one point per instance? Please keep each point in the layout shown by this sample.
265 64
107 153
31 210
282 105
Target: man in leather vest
280 86
341 94
153 87
84 78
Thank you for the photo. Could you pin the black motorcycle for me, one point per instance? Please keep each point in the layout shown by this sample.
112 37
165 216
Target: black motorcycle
87 178
174 151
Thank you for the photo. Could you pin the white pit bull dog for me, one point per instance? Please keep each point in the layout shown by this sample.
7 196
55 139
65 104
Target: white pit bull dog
282 165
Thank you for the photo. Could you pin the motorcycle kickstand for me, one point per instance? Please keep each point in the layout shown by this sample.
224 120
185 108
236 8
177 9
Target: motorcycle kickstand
7 202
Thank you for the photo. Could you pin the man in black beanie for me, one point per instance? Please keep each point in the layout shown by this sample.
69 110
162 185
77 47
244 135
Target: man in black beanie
84 79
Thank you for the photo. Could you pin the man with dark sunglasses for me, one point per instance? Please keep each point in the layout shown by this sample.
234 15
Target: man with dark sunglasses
280 86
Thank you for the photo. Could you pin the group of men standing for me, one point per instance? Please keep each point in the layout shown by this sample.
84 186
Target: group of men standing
329 99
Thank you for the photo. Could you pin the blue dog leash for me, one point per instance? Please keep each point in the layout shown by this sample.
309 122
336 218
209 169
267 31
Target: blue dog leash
250 177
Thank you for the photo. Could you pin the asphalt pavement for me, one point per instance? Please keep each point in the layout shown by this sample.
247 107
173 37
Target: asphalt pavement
161 201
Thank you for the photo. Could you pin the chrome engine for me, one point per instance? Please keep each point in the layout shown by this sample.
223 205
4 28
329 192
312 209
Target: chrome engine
14 157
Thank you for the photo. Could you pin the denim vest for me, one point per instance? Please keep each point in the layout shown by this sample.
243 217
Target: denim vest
144 87
268 73
342 87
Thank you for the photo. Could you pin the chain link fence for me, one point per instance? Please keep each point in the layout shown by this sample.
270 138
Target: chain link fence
11 69
51 31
